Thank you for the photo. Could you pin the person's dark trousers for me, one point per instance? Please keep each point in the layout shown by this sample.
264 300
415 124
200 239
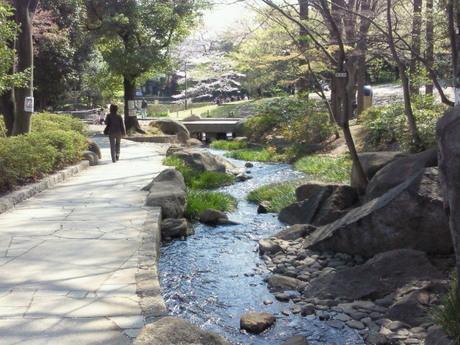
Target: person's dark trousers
115 147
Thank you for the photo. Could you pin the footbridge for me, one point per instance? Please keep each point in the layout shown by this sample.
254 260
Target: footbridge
213 128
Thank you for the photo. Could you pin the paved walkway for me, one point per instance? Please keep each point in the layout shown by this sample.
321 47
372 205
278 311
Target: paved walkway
69 256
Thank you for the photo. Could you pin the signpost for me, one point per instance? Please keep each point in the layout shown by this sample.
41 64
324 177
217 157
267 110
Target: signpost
29 104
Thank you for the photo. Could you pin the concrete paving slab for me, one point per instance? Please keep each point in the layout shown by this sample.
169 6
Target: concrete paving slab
70 256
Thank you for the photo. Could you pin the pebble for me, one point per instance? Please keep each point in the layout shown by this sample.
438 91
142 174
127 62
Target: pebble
395 325
355 324
307 309
267 302
342 317
335 324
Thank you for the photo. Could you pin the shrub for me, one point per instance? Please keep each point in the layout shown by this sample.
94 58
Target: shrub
388 124
199 180
198 201
229 145
25 158
55 141
259 155
326 168
2 127
297 119
45 122
447 314
279 195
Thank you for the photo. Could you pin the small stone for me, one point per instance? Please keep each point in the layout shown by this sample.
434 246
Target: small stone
395 325
263 207
268 301
323 316
335 324
296 309
342 317
410 341
296 340
286 312
355 324
307 309
249 165
281 296
254 322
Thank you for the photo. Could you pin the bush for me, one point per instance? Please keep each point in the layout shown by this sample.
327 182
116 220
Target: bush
199 180
45 122
2 127
259 155
279 195
447 314
326 168
55 142
297 119
229 145
388 124
198 201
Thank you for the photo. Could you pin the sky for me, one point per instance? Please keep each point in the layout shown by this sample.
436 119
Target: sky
223 16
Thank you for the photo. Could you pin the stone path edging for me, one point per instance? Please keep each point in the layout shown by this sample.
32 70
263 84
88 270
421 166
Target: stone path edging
147 278
8 201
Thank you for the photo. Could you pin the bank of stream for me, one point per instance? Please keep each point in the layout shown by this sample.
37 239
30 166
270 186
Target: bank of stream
216 275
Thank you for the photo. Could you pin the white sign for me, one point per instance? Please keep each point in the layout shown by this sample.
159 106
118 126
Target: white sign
29 104
341 74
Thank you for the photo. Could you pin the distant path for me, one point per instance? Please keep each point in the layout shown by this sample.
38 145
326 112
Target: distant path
69 256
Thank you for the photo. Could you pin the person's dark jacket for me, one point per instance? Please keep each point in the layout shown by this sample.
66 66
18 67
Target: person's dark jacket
115 126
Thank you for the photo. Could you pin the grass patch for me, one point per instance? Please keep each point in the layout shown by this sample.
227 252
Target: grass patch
199 200
279 195
199 180
257 155
229 145
326 168
447 314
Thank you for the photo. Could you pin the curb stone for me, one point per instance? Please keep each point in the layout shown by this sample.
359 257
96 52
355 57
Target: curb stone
8 201
148 287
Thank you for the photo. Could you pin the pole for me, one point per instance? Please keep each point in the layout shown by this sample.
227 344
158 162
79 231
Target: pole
185 70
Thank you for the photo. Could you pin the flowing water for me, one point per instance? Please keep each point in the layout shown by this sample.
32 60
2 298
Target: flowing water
216 275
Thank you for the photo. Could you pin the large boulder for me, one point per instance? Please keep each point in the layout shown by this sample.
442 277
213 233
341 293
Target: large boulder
295 232
376 278
214 217
173 331
201 160
371 163
410 215
168 191
170 126
398 170
94 147
319 204
278 282
173 228
256 322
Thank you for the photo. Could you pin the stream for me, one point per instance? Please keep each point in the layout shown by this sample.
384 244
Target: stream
216 275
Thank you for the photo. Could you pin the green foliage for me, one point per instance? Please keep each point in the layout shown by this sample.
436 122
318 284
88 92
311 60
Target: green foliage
279 195
8 31
258 154
199 180
2 128
158 114
55 141
388 125
199 200
229 145
326 168
297 119
447 314
44 122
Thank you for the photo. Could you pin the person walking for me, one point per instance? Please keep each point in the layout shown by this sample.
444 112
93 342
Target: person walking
115 130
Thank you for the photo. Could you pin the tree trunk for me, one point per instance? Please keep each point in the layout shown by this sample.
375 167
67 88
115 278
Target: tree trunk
24 47
131 122
7 108
302 83
429 53
404 79
448 128
416 32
